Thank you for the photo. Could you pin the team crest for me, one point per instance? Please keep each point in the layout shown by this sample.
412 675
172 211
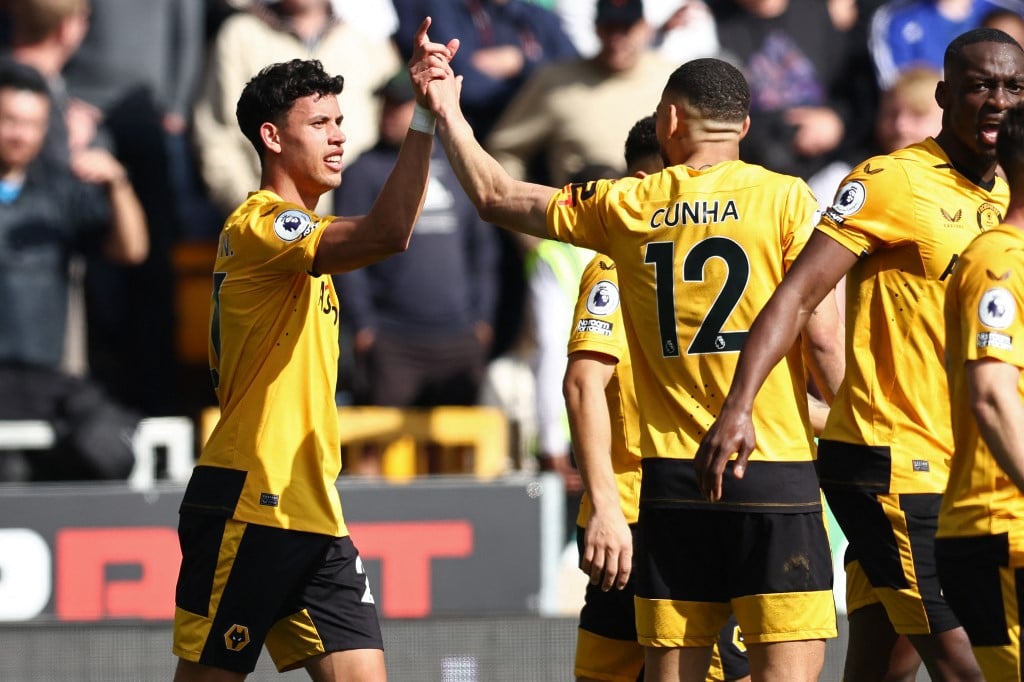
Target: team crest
997 308
988 216
291 225
603 298
236 638
849 199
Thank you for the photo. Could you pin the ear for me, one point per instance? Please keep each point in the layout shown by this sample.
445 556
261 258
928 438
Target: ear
941 92
745 128
271 137
640 174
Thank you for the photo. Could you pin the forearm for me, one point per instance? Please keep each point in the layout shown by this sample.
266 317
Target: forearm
824 347
999 413
498 198
128 240
590 425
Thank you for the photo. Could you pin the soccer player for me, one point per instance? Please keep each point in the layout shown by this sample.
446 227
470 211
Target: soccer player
266 557
698 249
895 229
979 549
601 404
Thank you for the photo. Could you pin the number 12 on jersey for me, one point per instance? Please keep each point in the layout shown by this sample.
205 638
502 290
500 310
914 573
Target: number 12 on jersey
709 337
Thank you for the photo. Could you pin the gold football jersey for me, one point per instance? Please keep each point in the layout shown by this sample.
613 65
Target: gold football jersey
698 253
597 327
984 319
908 215
274 360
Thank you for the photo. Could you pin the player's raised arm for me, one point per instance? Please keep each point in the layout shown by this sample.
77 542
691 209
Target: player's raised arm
354 242
500 199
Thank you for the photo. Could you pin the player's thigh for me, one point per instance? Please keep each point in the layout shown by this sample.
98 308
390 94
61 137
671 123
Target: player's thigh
333 610
788 661
606 644
234 580
360 665
893 538
985 592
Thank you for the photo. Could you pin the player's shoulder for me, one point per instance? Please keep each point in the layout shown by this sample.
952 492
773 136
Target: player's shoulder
265 210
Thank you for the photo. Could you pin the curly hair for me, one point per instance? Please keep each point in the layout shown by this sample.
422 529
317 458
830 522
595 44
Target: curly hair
717 89
270 94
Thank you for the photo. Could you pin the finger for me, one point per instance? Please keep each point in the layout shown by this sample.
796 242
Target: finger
739 467
597 568
587 559
453 47
421 38
611 570
625 568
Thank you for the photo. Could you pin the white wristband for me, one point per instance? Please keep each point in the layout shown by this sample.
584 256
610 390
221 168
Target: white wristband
423 120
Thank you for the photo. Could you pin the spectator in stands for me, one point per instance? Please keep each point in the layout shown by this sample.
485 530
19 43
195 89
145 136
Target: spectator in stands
502 43
808 111
563 111
1008 21
908 112
916 32
46 214
137 68
422 320
273 32
683 29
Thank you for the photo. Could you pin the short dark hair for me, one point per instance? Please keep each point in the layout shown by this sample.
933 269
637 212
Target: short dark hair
954 55
271 93
715 88
641 141
1010 142
17 76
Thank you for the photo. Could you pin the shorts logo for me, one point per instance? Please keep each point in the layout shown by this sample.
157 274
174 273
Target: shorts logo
849 199
269 499
997 308
236 638
921 465
291 225
603 298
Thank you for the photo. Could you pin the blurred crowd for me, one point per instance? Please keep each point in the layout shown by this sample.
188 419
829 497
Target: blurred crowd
141 118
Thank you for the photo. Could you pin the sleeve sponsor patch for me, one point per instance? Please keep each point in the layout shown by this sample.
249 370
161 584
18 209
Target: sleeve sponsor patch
997 308
995 340
591 326
603 298
292 224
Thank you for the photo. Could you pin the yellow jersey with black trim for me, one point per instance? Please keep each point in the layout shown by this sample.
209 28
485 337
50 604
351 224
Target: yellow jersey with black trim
698 254
984 320
274 456
908 215
597 327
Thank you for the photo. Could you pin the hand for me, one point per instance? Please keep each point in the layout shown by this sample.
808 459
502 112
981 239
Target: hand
82 120
607 550
97 166
818 130
429 62
732 432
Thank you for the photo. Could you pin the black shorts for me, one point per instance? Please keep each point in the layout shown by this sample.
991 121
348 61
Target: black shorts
892 537
242 586
607 647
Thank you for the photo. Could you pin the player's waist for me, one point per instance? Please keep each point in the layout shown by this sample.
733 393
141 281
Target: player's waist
769 487
880 468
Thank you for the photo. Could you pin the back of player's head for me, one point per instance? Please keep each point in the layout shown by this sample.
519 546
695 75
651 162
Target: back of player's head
270 94
715 89
22 77
34 20
642 151
1010 144
954 58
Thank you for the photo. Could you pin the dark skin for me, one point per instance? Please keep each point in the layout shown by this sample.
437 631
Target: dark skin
977 91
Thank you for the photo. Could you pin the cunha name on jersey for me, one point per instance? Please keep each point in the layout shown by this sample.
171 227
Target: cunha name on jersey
694 213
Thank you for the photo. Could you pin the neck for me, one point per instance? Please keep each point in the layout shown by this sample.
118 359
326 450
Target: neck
286 188
971 164
706 154
12 174
310 23
45 58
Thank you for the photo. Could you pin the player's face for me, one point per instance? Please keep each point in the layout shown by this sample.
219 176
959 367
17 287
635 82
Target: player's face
24 117
976 94
311 142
